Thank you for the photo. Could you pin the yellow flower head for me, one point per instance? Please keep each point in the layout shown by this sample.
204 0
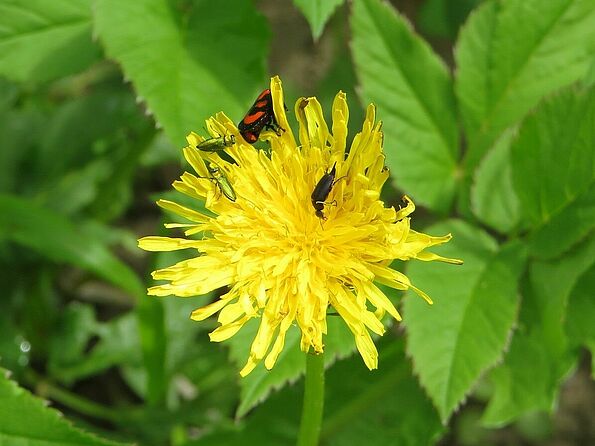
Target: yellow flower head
282 262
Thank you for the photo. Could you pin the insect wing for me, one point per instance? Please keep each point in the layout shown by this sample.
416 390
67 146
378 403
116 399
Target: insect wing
324 186
258 117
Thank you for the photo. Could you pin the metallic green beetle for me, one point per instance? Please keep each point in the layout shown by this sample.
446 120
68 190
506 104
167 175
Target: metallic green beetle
222 181
216 144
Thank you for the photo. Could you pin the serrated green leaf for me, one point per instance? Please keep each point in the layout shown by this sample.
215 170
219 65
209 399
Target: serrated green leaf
412 89
291 363
41 40
526 376
539 356
493 198
553 170
510 54
58 239
187 60
25 419
475 306
317 12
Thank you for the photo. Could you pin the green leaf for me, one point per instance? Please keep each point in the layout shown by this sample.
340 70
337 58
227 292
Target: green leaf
25 419
8 94
580 314
512 53
566 227
109 116
160 151
93 169
413 91
181 331
380 407
291 363
151 324
58 239
15 348
170 340
74 328
117 344
317 12
185 73
553 170
385 406
341 76
26 280
589 79
442 18
493 198
198 371
76 189
18 131
41 40
539 357
466 330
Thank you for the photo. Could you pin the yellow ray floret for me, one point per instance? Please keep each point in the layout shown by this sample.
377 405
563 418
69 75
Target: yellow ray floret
282 263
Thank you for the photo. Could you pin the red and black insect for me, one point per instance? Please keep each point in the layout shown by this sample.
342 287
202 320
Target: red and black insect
322 190
260 116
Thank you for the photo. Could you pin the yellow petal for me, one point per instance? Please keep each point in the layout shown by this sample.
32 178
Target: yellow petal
208 310
340 121
286 137
225 332
183 211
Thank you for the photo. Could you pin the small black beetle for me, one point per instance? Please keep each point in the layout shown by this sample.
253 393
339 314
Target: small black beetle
322 190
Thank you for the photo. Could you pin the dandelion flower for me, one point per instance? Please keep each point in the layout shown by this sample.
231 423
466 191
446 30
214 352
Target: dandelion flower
281 262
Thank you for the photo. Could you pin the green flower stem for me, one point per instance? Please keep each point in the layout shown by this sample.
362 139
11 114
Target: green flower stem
313 401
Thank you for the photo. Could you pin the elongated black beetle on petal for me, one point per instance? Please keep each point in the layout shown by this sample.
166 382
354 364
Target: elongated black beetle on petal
322 190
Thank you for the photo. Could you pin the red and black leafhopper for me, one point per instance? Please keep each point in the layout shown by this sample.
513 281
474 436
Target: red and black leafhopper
260 116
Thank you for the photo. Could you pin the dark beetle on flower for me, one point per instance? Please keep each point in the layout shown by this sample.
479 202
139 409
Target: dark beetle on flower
322 190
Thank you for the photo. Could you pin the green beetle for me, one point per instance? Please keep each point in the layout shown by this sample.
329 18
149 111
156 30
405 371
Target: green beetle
222 181
216 144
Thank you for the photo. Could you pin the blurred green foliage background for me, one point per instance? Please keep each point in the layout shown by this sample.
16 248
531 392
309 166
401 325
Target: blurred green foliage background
489 117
